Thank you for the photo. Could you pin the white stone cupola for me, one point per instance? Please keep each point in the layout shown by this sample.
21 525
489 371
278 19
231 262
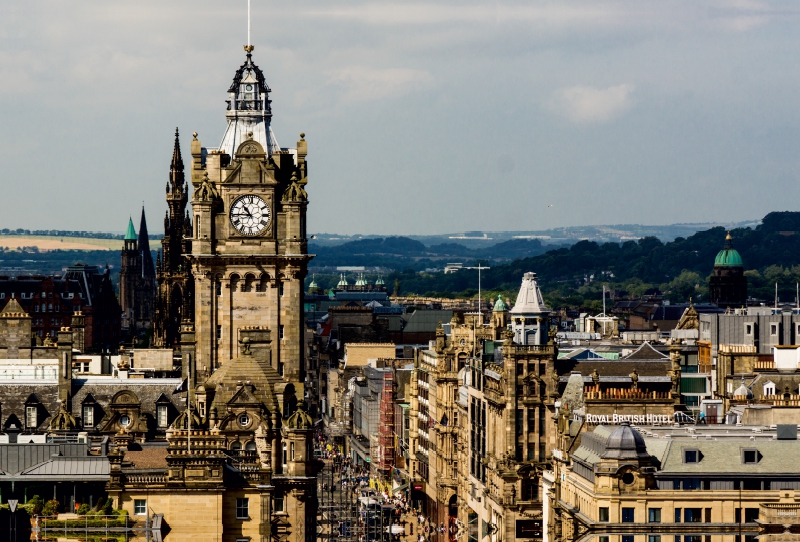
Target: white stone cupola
529 317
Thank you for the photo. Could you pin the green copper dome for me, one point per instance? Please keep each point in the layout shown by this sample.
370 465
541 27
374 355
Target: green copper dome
499 305
130 235
728 256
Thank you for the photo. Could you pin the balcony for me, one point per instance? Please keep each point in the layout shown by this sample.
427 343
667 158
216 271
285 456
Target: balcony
779 514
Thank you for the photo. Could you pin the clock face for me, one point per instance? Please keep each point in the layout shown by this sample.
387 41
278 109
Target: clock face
250 215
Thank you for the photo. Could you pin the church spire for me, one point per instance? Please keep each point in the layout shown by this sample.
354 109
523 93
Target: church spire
144 247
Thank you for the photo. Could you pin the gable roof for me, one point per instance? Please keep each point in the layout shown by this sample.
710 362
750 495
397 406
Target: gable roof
13 309
646 351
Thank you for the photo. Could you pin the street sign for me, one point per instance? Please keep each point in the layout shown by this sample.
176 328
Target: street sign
12 504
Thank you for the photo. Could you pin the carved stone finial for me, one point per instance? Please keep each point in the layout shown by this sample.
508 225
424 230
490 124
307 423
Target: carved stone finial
634 378
194 135
302 135
249 135
246 346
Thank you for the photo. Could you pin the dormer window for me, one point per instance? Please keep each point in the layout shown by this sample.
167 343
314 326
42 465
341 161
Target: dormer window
88 416
750 456
691 455
769 388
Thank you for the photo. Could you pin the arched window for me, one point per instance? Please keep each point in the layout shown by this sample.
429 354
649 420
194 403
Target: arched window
250 446
236 445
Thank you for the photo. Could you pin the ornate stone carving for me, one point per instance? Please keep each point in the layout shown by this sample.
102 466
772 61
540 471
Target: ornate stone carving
295 190
206 191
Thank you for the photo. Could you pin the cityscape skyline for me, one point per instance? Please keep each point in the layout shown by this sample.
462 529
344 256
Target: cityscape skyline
615 100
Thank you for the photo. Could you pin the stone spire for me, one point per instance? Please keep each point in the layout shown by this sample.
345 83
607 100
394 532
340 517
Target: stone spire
148 270
176 168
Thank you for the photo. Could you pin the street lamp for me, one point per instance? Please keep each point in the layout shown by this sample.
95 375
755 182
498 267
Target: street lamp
12 506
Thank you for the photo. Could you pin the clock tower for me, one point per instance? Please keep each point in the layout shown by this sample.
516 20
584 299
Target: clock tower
249 252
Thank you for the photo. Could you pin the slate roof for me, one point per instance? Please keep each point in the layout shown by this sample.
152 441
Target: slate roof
721 456
149 457
421 321
724 457
616 368
645 351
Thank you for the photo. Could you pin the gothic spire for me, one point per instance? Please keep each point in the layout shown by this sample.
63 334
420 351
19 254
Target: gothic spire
176 168
144 247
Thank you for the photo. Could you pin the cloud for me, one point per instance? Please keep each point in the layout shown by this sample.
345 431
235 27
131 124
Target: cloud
585 104
362 84
436 14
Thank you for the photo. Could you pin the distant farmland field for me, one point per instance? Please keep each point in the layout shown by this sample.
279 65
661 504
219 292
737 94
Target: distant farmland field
45 242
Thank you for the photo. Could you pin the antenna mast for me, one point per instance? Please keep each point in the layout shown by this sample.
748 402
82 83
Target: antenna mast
479 267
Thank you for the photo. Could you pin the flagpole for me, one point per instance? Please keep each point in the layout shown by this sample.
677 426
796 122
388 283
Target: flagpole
189 406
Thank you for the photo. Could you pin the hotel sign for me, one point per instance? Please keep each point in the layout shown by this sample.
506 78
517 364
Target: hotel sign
636 419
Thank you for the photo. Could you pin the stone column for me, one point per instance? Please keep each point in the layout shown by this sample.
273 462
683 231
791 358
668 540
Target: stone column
204 334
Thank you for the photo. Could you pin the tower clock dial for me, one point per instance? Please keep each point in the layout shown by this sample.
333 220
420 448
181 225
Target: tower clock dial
250 215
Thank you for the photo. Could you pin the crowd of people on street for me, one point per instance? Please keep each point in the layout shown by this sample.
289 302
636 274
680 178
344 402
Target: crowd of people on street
357 481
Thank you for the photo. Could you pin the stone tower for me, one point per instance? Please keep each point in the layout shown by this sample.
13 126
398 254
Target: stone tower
137 279
249 251
728 285
130 269
174 302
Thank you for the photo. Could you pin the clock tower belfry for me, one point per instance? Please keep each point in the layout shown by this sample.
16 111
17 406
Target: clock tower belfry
249 251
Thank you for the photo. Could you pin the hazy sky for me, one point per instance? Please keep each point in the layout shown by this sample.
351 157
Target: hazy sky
420 117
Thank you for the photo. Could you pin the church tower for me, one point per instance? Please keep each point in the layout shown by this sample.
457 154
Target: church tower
137 280
175 283
249 251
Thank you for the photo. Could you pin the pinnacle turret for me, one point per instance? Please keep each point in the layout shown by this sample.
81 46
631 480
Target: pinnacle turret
176 167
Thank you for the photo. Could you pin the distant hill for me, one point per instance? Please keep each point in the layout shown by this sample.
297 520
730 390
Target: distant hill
404 253
770 251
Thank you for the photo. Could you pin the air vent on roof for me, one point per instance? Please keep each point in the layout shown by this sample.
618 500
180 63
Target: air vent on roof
787 432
